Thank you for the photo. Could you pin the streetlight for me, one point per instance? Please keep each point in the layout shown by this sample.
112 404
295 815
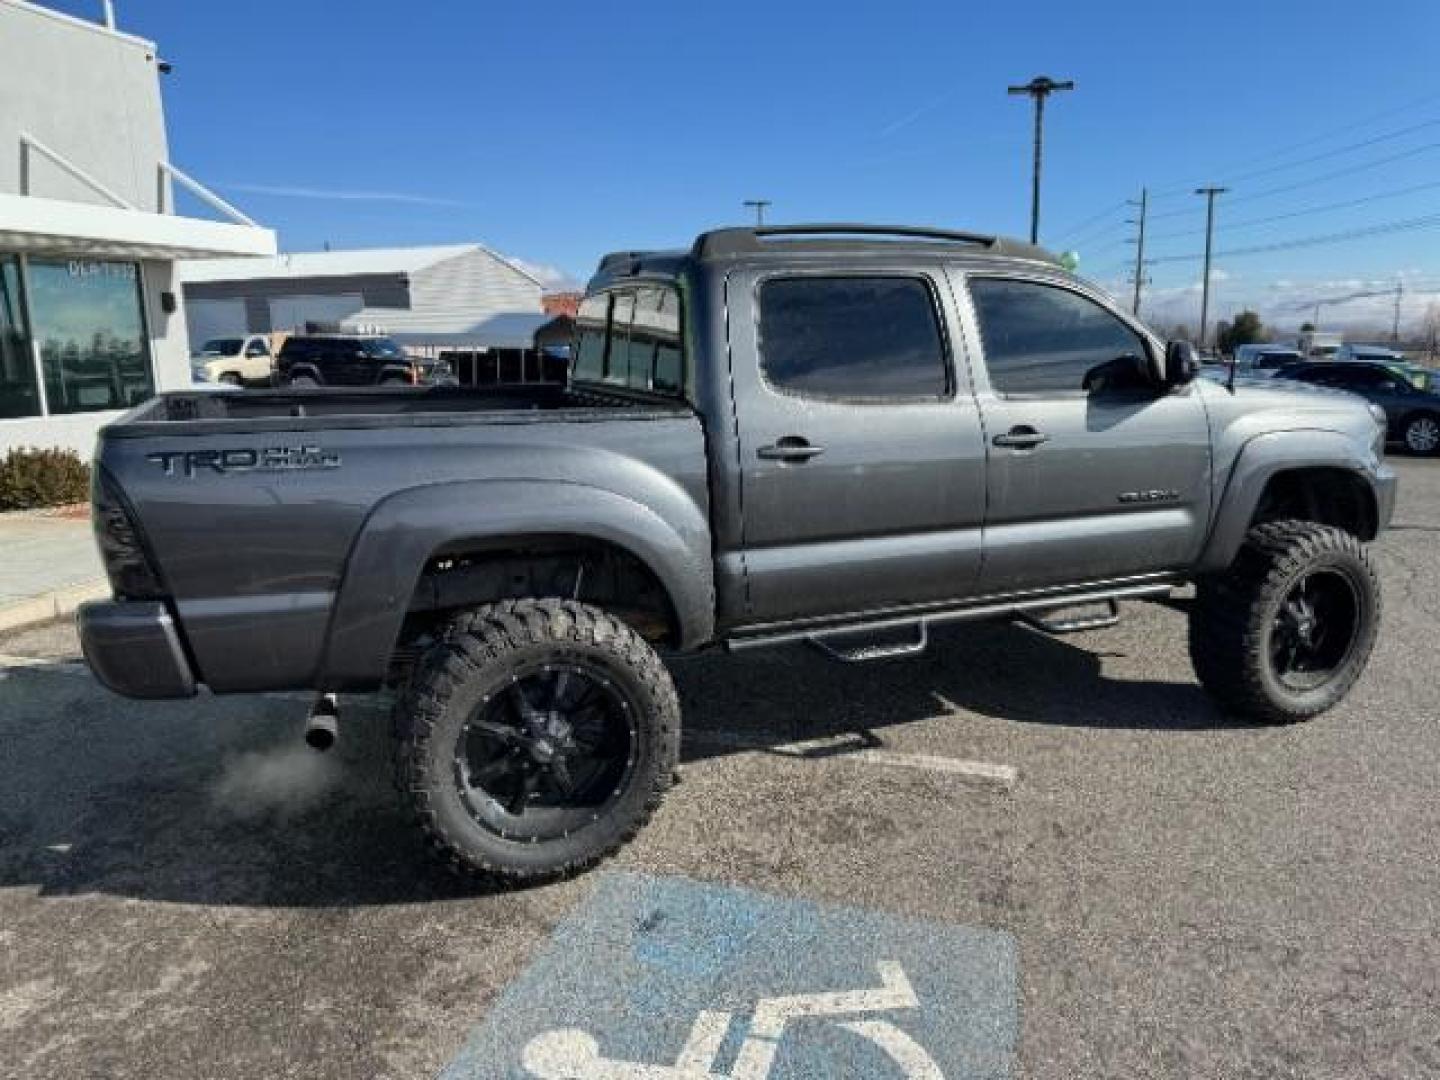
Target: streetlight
1039 88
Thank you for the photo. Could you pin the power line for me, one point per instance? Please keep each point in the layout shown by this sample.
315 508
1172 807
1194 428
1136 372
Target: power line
1297 185
1333 153
1178 190
1350 171
1427 221
1084 226
1326 208
1336 152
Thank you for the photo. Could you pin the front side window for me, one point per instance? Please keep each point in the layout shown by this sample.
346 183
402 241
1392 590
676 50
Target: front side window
90 325
19 395
1042 339
852 337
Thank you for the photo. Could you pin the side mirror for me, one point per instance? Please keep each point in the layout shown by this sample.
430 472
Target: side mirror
1181 363
1125 372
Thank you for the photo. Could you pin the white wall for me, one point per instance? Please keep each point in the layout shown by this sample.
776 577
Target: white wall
88 93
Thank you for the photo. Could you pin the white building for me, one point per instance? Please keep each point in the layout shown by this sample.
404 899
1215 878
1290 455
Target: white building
90 319
421 296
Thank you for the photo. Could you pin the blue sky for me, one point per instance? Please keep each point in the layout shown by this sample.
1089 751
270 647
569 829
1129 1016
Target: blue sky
558 131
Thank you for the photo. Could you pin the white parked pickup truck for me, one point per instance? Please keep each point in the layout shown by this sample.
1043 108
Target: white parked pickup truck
247 359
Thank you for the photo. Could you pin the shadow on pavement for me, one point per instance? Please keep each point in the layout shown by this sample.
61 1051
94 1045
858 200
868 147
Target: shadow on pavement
215 801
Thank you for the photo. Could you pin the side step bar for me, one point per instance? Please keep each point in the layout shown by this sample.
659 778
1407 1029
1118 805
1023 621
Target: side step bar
1074 626
1023 608
865 653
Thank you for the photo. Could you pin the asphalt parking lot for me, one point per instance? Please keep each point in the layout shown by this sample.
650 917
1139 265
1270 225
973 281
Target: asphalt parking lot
1017 855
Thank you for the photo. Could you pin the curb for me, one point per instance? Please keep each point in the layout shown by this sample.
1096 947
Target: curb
55 604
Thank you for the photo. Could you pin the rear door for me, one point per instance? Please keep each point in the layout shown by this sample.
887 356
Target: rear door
861 459
1085 480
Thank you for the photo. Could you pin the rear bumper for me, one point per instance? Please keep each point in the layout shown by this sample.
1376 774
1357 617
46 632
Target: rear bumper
134 649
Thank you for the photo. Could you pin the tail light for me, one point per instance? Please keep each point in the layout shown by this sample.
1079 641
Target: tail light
132 574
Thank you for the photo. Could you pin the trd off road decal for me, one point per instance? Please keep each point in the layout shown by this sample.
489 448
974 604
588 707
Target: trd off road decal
244 460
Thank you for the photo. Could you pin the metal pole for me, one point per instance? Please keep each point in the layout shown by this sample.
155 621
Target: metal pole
1399 292
1140 249
1209 193
109 9
1035 174
758 205
1038 89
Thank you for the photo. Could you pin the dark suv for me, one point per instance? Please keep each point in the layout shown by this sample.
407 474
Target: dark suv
348 360
1411 411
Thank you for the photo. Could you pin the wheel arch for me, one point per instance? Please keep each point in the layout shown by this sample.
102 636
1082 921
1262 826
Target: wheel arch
407 532
1313 475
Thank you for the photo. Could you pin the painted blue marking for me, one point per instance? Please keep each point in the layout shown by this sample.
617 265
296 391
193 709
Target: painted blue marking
653 978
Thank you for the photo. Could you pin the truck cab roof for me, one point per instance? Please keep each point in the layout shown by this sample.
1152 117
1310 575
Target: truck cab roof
737 244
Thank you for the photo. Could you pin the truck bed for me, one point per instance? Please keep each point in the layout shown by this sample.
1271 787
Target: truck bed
213 412
254 504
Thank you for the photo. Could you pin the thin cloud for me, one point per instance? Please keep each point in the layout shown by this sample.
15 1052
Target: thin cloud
915 114
344 195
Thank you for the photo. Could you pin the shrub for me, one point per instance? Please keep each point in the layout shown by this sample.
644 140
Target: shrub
34 478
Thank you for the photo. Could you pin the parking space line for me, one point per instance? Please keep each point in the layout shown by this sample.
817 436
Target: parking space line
55 663
856 748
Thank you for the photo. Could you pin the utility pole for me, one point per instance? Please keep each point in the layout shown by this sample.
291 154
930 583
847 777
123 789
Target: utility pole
1209 193
1140 248
1039 88
1399 293
758 205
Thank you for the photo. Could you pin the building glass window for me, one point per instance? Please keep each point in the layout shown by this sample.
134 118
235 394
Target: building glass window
89 319
18 393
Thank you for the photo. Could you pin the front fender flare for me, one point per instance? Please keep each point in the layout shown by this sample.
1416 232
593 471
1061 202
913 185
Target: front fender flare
406 529
1265 457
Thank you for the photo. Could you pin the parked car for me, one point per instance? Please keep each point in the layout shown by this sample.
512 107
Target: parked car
1412 413
1378 354
822 434
309 360
1319 344
1262 361
236 361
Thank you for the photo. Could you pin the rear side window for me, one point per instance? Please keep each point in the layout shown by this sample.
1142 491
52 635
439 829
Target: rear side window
1042 339
852 337
631 337
591 331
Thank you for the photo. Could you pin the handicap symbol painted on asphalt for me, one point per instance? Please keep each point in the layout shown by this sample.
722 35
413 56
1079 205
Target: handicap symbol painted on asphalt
669 979
569 1054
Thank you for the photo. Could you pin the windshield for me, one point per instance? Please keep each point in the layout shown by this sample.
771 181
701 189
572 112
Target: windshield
226 346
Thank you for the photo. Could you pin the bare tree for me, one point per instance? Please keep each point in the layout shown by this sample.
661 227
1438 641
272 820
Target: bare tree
1431 332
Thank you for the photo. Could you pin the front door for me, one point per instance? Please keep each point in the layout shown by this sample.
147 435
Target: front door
1092 474
861 458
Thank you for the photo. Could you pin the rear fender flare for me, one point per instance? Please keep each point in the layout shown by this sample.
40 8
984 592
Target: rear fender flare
406 529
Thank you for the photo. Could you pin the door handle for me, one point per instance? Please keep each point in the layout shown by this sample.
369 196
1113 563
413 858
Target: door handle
790 448
1022 437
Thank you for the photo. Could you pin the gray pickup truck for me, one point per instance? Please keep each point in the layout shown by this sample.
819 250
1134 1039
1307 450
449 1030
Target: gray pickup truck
840 435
